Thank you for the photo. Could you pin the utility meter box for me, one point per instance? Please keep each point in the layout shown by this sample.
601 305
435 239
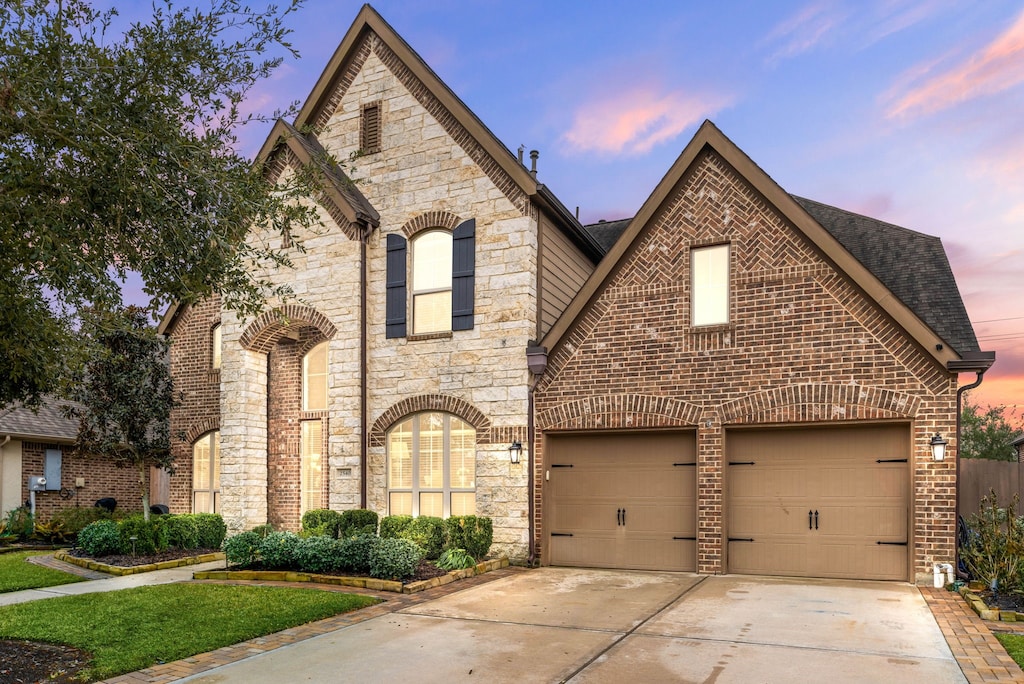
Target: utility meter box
36 484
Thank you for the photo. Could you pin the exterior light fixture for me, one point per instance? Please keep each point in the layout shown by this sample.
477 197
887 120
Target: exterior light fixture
938 447
536 358
515 450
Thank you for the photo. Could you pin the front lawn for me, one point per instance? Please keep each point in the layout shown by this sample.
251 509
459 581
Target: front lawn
16 573
135 628
1014 645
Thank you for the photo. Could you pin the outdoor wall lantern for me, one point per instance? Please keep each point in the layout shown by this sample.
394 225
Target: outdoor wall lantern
515 450
938 447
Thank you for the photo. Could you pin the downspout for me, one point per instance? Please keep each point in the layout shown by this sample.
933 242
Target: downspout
363 385
530 462
956 490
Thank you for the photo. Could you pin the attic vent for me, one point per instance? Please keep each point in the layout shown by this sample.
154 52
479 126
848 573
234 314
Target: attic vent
369 130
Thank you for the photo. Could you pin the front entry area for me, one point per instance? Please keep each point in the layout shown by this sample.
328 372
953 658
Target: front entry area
621 500
819 502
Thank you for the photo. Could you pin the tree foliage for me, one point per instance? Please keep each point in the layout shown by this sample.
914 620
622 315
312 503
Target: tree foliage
125 394
117 155
986 432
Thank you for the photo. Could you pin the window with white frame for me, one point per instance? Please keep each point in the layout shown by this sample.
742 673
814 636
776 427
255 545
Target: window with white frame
432 466
709 291
432 282
314 378
206 473
216 344
312 471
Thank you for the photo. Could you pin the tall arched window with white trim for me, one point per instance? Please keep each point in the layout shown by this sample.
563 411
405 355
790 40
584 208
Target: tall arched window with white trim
206 473
314 379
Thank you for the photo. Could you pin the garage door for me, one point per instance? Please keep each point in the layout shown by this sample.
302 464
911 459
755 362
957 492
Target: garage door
621 501
829 502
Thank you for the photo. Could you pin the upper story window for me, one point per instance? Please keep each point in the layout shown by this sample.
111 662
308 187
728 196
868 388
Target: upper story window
370 128
441 285
709 291
314 379
432 282
216 346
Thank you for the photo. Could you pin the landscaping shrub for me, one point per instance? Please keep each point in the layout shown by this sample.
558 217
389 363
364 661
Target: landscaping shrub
321 522
19 525
212 530
394 559
455 559
472 533
151 535
392 526
318 554
357 521
263 530
427 533
243 549
995 553
52 532
75 519
278 550
101 538
354 553
182 531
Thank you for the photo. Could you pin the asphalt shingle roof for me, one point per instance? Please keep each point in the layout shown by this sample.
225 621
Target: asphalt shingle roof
48 423
912 265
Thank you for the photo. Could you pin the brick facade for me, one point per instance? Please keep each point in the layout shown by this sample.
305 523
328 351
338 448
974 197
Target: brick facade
804 346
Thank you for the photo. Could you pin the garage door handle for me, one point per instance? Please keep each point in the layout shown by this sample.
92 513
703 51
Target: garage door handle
623 517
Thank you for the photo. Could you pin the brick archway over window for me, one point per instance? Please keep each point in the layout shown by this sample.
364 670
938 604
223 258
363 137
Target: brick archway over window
201 427
620 411
270 326
431 402
431 219
820 402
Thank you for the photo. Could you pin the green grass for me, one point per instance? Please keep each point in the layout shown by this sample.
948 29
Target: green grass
135 628
16 573
1014 645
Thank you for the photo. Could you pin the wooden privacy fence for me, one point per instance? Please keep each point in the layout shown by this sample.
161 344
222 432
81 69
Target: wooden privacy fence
978 476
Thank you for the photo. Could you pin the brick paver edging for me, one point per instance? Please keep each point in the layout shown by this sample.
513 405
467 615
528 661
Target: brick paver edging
358 582
135 569
390 603
981 657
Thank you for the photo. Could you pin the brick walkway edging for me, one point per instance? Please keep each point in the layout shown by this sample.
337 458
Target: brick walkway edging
390 603
981 657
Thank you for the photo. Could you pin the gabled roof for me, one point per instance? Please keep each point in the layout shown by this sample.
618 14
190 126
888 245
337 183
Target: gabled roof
47 424
937 321
606 233
319 104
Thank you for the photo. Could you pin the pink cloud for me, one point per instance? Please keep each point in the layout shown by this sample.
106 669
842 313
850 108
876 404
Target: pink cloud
995 68
801 32
636 121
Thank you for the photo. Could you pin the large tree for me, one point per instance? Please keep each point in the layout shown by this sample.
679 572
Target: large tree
118 154
986 432
124 394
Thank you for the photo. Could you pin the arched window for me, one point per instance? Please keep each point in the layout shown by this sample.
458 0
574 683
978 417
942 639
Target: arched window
432 282
206 473
216 344
432 466
314 379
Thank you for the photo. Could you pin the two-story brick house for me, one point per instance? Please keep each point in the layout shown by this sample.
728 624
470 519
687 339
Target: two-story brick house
729 323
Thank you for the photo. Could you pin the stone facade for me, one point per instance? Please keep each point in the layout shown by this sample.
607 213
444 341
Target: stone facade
804 346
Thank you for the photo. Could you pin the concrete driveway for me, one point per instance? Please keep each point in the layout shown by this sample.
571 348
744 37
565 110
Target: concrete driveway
560 624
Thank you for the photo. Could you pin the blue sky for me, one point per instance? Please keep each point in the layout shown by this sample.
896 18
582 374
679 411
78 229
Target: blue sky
910 112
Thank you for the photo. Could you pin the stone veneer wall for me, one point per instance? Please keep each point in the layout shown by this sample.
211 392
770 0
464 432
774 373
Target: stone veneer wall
803 346
420 174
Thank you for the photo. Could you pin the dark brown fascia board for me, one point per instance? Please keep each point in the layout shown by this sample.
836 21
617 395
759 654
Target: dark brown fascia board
369 19
975 361
569 224
30 437
708 135
169 318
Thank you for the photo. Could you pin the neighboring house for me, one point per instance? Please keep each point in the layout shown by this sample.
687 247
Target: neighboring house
746 382
39 444
1018 445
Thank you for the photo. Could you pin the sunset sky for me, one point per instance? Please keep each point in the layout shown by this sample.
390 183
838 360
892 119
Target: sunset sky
910 112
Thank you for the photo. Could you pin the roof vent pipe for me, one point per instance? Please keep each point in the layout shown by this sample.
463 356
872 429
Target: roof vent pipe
533 162
521 149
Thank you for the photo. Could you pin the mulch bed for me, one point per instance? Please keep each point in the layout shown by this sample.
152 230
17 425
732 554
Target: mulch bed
129 561
1014 602
22 662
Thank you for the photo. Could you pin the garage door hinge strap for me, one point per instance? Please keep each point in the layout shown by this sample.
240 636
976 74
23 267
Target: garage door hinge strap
561 534
743 539
741 463
891 460
561 465
684 464
684 538
882 543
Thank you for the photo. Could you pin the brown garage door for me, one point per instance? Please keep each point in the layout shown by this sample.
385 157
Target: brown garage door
829 502
621 501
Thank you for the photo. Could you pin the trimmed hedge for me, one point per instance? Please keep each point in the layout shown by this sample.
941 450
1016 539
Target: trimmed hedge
354 553
212 530
321 522
357 521
278 550
469 532
243 549
394 559
182 531
427 533
318 554
392 526
101 538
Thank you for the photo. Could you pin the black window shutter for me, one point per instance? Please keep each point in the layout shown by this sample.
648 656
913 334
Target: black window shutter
463 267
394 316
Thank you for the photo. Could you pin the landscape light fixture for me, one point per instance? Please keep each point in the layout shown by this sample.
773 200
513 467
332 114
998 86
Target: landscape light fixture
938 447
515 450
